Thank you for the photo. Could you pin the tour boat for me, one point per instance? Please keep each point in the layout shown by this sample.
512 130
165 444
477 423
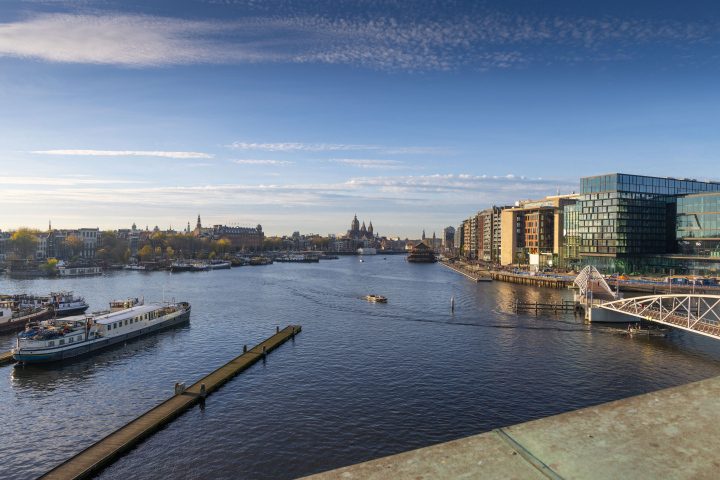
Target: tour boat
649 331
220 265
376 298
62 338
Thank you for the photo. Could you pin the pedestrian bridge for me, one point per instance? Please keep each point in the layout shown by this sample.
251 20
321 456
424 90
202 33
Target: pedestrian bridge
694 313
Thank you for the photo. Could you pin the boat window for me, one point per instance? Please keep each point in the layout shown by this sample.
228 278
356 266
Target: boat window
61 342
146 316
70 340
51 343
126 322
80 339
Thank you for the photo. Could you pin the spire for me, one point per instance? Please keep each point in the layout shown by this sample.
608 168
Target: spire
199 224
423 237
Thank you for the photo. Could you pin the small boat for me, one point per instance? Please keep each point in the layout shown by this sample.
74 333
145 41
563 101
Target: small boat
362 260
376 298
219 265
648 331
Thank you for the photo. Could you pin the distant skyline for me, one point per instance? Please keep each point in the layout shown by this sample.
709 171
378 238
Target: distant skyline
299 114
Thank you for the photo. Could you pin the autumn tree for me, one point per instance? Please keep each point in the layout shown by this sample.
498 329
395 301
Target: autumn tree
146 253
224 245
24 241
170 252
74 244
109 239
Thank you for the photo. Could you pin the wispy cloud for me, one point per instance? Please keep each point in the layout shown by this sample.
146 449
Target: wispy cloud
491 40
296 146
379 164
115 153
65 181
278 163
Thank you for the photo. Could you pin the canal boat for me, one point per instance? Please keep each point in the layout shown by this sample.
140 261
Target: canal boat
648 331
13 316
220 265
181 267
62 338
64 303
376 298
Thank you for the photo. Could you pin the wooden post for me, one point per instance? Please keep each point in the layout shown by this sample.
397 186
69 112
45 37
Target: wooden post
244 348
264 351
277 329
452 305
202 390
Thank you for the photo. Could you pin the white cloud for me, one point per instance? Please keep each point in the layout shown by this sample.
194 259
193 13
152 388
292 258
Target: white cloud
125 152
295 146
60 181
480 41
379 164
263 162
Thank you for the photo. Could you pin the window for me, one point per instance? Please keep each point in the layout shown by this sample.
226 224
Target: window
126 322
61 342
51 343
70 340
79 339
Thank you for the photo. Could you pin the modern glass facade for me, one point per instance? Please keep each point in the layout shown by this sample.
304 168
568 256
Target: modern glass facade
698 225
627 221
571 234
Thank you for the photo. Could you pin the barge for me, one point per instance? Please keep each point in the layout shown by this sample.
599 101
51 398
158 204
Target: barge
59 339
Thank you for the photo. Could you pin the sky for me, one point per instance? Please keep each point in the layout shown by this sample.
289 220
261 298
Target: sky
297 115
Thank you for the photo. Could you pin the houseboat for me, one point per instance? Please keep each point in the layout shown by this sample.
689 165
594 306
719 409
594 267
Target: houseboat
13 316
59 339
65 303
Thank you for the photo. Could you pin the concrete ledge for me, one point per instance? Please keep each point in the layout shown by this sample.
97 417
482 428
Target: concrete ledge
672 433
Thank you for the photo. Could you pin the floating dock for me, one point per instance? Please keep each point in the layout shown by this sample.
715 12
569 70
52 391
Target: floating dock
462 271
101 454
671 433
6 358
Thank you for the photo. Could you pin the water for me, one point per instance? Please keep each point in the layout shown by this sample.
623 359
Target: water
361 381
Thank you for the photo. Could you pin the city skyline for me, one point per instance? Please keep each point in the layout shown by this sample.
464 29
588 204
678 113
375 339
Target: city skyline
297 115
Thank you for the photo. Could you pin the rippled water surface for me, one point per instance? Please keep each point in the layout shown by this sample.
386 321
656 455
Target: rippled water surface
361 381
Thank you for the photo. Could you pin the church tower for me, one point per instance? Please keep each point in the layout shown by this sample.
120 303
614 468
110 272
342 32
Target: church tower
355 225
370 229
199 225
363 229
423 237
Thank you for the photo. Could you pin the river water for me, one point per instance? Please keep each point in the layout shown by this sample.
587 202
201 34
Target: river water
361 381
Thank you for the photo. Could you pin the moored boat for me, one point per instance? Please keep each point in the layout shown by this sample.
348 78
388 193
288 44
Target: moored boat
181 266
58 339
220 265
13 316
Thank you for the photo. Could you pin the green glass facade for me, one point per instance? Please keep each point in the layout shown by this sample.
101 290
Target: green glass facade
628 222
571 235
698 225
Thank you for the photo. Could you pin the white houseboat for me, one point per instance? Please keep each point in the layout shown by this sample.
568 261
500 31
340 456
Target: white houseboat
54 340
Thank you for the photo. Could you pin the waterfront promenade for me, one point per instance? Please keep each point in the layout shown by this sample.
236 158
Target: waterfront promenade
671 433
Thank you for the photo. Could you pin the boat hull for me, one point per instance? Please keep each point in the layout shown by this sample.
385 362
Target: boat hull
22 321
89 347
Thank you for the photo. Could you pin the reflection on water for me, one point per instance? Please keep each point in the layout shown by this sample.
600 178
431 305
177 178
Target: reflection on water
362 380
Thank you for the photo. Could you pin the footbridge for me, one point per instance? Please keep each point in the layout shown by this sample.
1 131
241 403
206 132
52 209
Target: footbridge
694 313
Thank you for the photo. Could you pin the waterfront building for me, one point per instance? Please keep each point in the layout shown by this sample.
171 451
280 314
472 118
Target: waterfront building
532 232
458 241
448 238
421 253
631 223
571 235
240 237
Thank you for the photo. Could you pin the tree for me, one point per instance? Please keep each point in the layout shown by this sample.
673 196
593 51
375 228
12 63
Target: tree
213 256
224 245
74 244
146 253
170 252
105 254
109 239
50 266
24 241
158 251
158 239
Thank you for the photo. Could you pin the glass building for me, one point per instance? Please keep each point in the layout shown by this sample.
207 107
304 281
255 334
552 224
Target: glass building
571 235
698 225
627 223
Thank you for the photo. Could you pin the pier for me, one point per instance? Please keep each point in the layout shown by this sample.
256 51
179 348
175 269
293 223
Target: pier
536 280
565 305
462 271
101 454
6 358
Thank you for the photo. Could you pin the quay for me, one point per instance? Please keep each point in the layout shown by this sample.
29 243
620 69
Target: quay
6 358
670 433
462 271
101 454
537 280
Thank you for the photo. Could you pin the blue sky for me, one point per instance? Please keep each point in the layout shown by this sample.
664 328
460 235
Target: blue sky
299 114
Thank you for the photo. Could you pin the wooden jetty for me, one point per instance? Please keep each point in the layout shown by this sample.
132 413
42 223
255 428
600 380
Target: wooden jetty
101 454
6 358
565 305
537 280
462 271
